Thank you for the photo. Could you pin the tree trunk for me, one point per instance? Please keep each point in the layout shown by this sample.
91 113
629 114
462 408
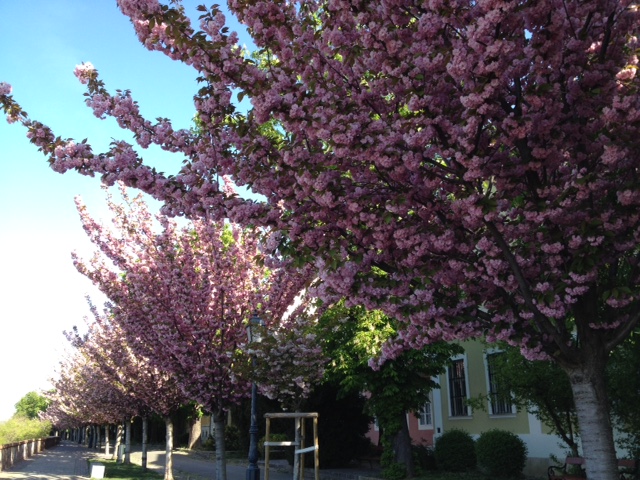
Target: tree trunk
195 431
592 408
402 447
221 455
145 437
106 440
127 441
117 450
168 465
98 432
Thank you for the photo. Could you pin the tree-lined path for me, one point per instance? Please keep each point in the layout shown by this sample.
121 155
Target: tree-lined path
68 461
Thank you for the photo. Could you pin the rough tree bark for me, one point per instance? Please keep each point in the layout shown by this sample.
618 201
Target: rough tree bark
221 460
402 447
127 441
195 431
587 380
145 438
168 465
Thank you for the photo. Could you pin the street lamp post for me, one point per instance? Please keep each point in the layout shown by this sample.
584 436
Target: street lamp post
254 334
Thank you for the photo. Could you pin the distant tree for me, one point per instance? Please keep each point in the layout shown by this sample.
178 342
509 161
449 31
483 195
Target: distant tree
83 395
182 296
352 339
147 388
290 360
31 405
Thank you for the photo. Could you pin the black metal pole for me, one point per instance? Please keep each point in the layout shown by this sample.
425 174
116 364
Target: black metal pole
253 471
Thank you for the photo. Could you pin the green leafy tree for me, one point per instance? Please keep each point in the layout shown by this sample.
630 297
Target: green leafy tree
31 405
353 338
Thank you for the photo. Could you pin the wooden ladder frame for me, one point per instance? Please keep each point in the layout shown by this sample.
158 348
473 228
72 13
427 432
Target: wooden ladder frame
299 423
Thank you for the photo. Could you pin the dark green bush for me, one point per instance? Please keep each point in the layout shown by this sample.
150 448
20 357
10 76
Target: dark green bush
455 451
501 453
424 457
231 439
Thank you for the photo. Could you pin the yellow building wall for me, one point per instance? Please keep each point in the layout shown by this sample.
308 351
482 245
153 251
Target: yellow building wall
479 420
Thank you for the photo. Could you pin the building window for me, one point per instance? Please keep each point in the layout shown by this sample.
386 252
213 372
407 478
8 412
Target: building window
425 418
457 389
499 399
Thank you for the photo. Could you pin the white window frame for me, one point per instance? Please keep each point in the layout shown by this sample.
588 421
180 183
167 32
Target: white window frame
469 413
427 408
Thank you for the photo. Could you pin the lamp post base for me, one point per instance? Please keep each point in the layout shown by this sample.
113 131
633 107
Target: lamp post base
253 473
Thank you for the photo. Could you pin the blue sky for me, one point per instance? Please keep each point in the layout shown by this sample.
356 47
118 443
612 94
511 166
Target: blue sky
41 293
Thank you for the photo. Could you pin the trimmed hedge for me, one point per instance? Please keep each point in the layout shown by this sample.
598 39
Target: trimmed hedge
455 451
501 453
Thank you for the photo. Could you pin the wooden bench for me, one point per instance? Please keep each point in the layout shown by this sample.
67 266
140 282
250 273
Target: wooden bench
573 469
628 468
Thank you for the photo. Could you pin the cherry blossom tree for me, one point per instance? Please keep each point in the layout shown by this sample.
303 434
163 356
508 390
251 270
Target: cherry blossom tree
83 395
149 389
182 296
469 167
289 361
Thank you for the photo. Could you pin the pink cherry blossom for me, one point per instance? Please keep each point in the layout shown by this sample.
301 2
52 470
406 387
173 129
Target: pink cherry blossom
436 160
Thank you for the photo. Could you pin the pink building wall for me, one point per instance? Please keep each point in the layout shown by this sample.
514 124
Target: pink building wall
419 436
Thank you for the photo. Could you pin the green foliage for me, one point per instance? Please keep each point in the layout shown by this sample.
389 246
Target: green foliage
232 439
31 405
354 336
540 387
501 453
623 384
392 470
455 451
20 428
425 458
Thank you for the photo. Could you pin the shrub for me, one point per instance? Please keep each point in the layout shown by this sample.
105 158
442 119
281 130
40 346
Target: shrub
455 451
424 457
501 453
20 428
231 439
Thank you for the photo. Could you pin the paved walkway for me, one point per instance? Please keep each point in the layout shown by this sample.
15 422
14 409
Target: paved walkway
68 461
